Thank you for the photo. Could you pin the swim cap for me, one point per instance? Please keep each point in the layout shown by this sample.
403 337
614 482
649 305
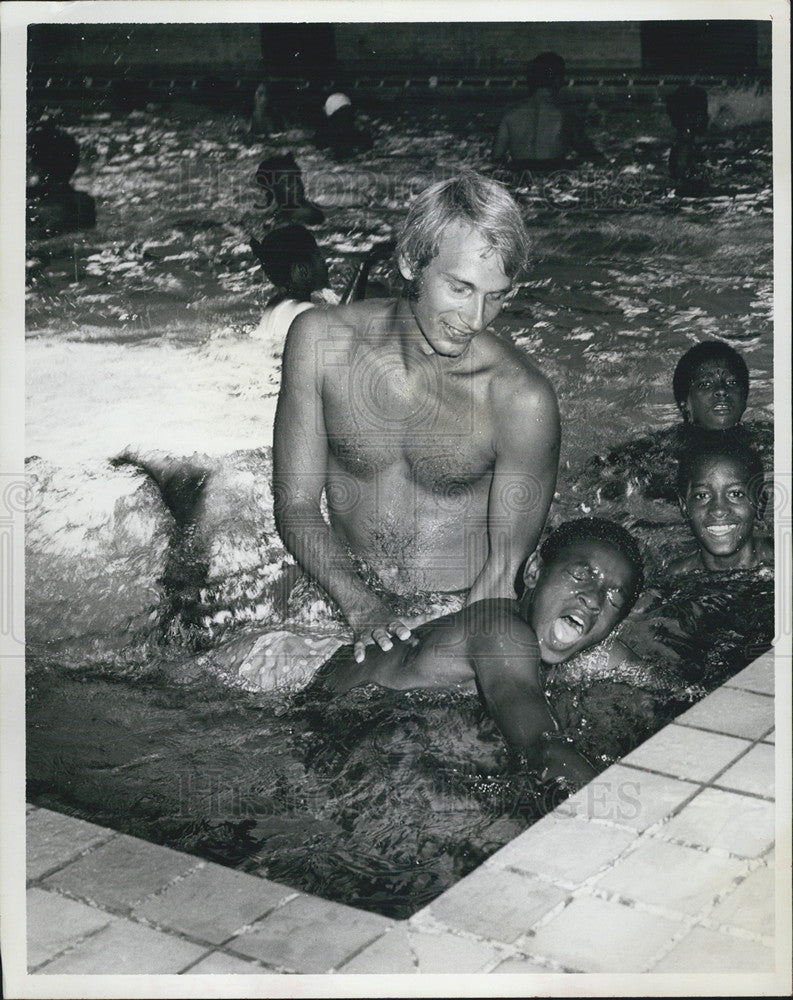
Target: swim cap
334 102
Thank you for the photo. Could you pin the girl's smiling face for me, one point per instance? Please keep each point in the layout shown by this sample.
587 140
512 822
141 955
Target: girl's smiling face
720 510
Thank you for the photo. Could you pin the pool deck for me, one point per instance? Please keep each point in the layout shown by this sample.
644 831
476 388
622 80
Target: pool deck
665 863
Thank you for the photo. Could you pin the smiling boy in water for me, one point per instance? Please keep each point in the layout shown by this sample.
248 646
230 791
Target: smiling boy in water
720 494
579 586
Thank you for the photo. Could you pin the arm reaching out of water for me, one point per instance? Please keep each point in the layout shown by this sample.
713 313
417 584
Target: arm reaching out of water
505 657
300 458
487 646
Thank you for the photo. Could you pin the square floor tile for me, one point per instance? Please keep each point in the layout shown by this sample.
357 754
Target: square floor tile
566 849
630 797
704 950
54 839
715 818
751 905
55 922
732 711
496 904
213 902
122 872
596 935
752 773
124 948
671 876
758 676
309 934
688 754
411 950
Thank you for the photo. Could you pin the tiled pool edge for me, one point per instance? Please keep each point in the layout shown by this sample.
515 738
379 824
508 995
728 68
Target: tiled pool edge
665 863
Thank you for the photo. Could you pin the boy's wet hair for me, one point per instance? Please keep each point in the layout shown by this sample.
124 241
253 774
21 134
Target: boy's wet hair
585 529
484 204
545 70
707 350
292 260
727 449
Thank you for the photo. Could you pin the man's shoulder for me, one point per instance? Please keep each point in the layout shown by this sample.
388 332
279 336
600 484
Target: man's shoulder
345 322
515 377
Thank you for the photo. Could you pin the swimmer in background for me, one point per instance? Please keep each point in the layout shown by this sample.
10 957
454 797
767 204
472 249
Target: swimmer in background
542 133
580 585
338 130
688 111
281 182
53 205
264 117
720 491
296 267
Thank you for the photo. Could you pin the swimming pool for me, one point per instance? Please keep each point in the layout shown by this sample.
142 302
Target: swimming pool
150 314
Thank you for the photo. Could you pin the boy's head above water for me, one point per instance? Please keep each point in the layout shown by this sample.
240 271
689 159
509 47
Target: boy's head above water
721 494
580 584
292 261
711 385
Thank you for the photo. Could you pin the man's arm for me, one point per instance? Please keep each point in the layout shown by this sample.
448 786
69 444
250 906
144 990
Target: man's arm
524 478
505 657
300 456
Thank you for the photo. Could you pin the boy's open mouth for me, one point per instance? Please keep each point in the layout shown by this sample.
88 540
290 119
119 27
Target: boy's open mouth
569 628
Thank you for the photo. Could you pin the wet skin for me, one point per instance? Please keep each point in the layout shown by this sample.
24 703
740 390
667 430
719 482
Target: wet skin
720 510
579 598
497 646
460 292
421 426
715 400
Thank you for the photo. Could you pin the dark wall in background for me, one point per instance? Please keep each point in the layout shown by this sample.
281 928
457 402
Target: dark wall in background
498 48
486 48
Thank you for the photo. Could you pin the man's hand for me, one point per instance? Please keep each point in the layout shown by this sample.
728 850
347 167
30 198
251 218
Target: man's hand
377 623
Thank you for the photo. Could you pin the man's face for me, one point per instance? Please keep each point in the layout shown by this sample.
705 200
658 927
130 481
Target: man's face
579 597
460 291
715 398
719 507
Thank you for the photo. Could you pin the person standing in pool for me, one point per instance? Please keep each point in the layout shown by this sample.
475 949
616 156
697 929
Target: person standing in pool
720 491
541 133
579 586
435 442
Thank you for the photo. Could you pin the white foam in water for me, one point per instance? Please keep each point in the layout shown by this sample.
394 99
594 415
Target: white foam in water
88 401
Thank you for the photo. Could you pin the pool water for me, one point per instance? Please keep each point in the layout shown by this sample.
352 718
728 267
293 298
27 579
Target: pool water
139 331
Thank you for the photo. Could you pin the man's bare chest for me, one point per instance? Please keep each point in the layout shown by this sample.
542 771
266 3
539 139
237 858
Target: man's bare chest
438 429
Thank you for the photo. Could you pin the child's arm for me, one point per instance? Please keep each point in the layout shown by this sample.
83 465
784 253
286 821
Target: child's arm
506 660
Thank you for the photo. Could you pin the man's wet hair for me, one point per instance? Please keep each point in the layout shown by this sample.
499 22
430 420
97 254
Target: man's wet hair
484 204
586 529
292 260
707 350
727 449
545 70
